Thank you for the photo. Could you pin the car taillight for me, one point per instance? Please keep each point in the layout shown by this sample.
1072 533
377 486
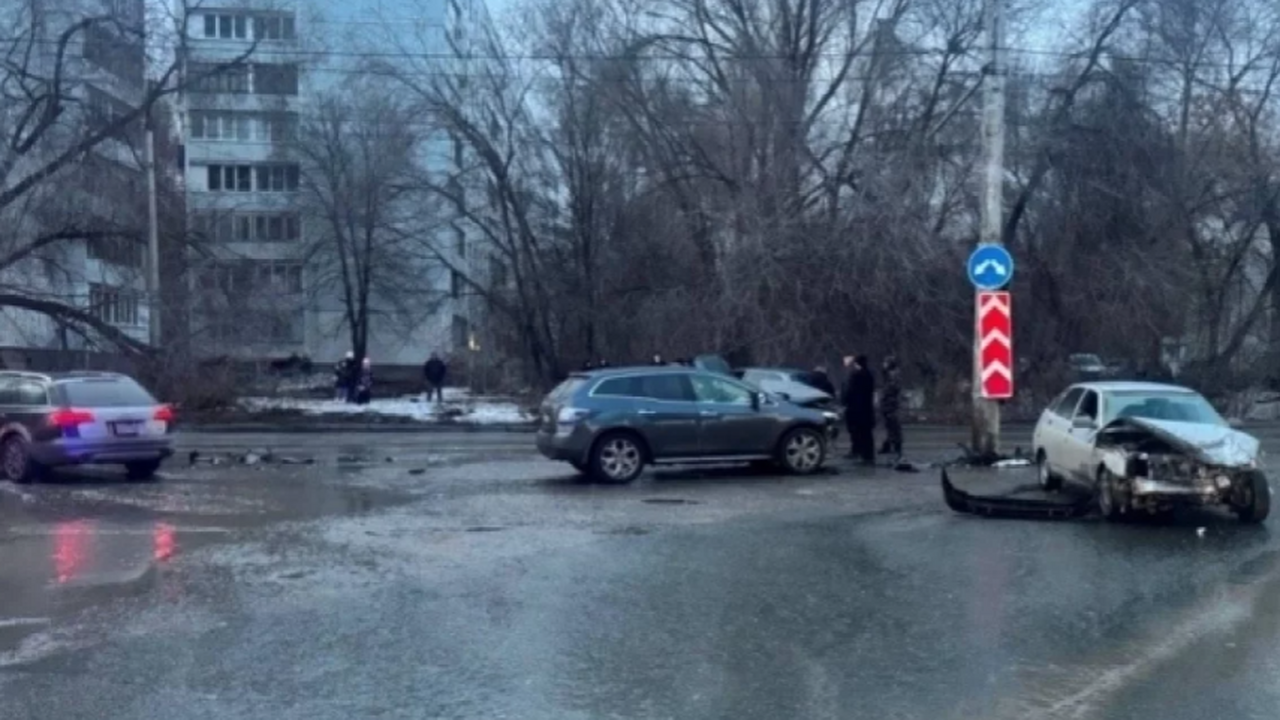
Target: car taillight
70 417
164 413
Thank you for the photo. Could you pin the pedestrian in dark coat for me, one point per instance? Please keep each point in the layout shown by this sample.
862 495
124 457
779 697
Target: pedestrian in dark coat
433 372
859 398
891 408
342 378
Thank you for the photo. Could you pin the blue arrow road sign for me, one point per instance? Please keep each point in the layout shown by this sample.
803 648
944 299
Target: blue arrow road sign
990 267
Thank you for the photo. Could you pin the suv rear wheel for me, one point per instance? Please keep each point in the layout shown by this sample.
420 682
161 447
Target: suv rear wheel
618 458
802 451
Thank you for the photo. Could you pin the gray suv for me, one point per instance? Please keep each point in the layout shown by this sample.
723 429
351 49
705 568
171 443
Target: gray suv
611 423
52 419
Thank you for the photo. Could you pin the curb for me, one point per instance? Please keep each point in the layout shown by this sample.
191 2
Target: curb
338 428
294 427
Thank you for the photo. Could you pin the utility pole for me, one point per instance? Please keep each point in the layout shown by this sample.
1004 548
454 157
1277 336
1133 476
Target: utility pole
986 413
153 232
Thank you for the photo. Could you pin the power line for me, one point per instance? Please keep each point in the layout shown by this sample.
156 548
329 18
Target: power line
673 57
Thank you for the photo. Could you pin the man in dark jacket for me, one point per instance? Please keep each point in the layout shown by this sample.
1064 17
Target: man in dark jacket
433 372
891 407
342 377
859 398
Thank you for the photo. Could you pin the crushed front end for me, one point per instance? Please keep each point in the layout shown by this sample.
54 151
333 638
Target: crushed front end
1153 466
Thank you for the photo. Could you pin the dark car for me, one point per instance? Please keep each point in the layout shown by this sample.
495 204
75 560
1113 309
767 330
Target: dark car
56 419
611 423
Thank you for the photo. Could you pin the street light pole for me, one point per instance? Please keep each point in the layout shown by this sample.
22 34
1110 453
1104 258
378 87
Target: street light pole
986 412
153 235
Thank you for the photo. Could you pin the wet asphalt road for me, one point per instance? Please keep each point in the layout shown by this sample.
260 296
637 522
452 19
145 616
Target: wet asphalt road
442 576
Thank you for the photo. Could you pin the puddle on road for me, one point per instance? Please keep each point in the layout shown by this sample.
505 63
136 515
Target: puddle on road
74 543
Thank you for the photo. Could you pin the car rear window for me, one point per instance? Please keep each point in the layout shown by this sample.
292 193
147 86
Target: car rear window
565 389
120 392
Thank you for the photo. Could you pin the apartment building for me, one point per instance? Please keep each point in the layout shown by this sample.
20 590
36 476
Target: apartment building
238 120
104 73
259 288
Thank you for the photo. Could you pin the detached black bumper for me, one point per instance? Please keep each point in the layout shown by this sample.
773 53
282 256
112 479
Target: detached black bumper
1013 508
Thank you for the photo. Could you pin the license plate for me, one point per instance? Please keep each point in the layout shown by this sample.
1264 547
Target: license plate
130 428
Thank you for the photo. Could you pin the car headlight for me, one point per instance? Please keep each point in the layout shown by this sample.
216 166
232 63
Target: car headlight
831 416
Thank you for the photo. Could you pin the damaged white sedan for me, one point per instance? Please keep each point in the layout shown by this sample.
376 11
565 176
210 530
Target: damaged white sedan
1148 447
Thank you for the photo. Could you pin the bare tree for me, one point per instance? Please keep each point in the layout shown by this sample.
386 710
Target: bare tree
69 152
362 151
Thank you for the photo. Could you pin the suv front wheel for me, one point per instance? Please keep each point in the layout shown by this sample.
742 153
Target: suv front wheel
617 458
802 451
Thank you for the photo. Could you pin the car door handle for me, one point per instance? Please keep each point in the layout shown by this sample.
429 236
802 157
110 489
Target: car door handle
646 412
709 414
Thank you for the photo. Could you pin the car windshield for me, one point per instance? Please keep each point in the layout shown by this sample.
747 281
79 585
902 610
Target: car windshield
114 392
1186 407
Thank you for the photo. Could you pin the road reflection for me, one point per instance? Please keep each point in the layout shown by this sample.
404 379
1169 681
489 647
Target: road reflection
70 553
83 547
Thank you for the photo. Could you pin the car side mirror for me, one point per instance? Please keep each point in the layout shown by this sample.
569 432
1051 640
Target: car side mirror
1083 423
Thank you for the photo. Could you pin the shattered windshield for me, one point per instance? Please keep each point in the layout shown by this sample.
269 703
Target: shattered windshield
1173 406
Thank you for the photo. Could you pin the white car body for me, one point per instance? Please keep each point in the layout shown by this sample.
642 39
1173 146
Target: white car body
778 382
1158 443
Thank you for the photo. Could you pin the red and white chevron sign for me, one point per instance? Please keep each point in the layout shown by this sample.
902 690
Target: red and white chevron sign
995 331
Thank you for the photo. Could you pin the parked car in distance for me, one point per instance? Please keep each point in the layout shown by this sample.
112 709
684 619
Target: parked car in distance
1086 366
1149 447
610 423
76 418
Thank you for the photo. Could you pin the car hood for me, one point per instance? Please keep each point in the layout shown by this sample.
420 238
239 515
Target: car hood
1210 444
799 393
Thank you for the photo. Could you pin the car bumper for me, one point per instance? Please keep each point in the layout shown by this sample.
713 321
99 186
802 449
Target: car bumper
70 451
571 447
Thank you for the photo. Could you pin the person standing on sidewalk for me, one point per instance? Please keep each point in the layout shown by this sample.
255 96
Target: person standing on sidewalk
342 372
891 408
433 372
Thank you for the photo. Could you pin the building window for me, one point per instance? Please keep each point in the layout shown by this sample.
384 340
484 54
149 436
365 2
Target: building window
114 306
275 79
102 111
214 79
121 251
244 278
278 127
455 284
227 227
460 242
497 272
276 227
461 331
226 27
206 125
230 178
274 27
277 178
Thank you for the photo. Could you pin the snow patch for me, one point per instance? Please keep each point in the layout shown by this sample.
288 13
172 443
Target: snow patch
457 407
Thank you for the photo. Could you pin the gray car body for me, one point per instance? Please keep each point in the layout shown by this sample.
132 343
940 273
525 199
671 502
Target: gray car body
51 447
685 431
